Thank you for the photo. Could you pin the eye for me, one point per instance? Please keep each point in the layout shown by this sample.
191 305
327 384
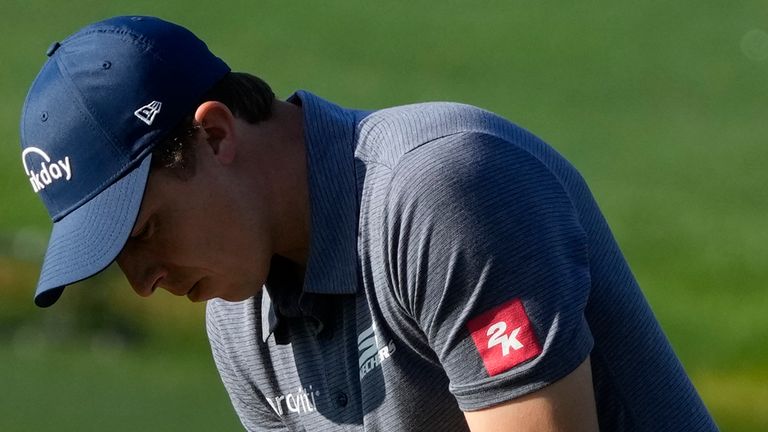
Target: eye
145 232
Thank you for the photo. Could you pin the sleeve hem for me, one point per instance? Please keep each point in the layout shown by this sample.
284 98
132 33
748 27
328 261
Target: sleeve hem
519 382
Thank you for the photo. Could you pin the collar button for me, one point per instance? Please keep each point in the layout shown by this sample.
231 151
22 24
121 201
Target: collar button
342 399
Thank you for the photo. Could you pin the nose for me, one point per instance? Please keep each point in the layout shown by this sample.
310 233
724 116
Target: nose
142 276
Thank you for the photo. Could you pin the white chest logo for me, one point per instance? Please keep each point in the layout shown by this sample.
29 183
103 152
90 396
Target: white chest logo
302 401
48 172
371 351
507 341
148 112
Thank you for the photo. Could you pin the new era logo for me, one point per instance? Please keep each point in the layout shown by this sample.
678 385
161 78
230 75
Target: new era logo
504 337
148 112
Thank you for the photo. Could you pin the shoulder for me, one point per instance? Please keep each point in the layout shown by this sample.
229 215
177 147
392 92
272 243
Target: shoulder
385 135
426 112
472 170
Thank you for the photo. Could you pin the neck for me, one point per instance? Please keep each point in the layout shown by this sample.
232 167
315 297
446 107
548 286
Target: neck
280 163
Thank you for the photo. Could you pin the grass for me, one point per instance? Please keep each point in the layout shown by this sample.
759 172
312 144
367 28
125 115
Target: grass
91 388
737 397
659 104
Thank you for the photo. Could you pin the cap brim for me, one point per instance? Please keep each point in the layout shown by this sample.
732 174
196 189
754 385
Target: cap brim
86 241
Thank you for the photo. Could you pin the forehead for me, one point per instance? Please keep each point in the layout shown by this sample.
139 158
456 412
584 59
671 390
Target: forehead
173 187
157 190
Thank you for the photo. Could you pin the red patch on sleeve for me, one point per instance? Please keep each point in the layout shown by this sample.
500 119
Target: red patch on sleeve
504 337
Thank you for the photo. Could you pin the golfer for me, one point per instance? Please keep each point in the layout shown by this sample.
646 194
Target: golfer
430 267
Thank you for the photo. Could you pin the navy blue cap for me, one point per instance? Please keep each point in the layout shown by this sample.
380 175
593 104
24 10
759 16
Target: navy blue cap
106 95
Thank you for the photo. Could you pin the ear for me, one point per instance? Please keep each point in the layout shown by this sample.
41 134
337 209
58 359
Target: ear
218 123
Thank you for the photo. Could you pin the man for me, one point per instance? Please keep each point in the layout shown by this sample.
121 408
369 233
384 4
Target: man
426 267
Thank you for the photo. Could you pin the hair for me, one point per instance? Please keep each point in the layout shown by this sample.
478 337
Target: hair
247 96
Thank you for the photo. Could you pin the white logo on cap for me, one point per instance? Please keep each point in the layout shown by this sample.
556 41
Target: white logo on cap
48 172
148 112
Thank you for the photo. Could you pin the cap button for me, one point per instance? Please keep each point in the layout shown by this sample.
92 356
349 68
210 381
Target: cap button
52 49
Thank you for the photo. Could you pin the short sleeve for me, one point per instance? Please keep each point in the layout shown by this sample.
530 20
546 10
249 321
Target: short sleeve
248 402
487 259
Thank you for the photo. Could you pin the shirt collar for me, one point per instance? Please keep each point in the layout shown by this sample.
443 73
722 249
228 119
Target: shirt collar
329 137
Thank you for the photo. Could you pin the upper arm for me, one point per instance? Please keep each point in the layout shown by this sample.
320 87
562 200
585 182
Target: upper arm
567 405
247 400
487 257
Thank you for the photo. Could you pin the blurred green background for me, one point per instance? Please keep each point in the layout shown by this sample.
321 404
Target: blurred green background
661 105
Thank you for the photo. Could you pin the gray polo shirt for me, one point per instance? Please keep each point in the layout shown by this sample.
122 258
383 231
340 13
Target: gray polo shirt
456 262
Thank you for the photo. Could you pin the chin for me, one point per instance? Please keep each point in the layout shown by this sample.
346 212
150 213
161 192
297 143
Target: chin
234 295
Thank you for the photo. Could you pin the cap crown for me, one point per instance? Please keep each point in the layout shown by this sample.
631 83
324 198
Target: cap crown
103 98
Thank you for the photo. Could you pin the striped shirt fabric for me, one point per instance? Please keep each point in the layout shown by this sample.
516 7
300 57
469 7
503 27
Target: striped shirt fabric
456 262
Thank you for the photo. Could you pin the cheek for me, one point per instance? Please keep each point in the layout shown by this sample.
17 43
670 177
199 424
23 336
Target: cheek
216 241
214 234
